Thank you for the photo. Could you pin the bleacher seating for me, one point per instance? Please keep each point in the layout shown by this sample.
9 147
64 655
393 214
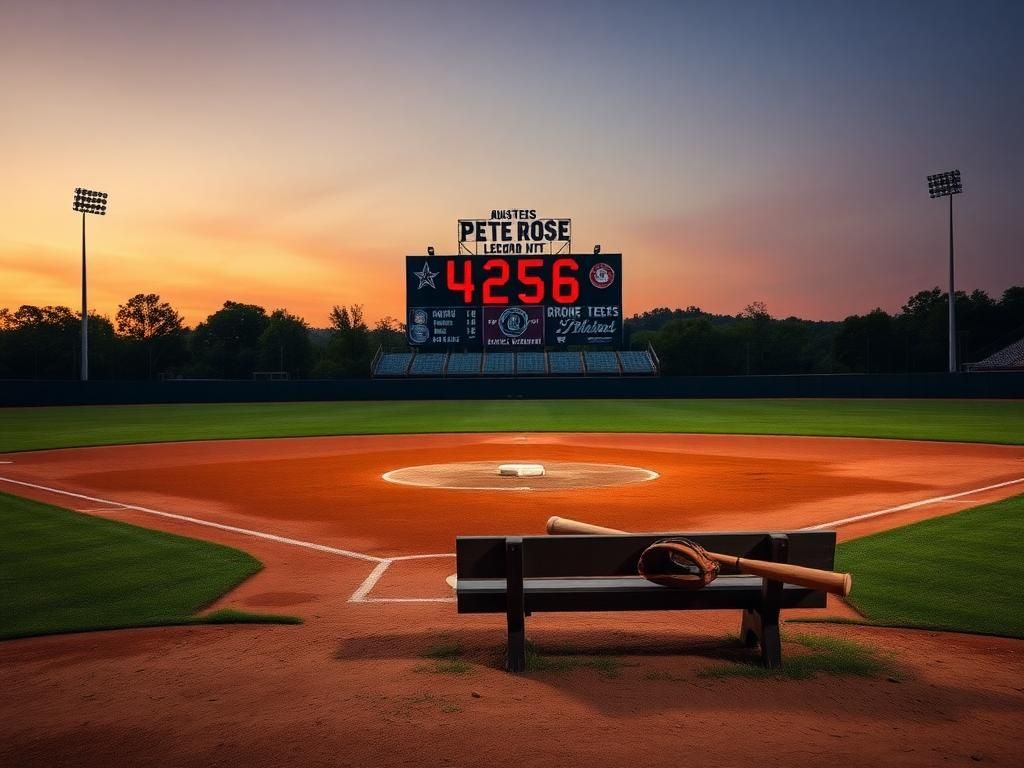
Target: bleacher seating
556 363
637 363
464 364
565 363
428 364
1006 359
601 362
500 364
393 364
531 364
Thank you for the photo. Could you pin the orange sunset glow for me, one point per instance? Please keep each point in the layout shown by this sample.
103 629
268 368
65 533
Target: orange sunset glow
292 155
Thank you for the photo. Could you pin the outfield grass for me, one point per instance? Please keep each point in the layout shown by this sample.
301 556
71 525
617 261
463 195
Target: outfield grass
988 421
61 571
960 572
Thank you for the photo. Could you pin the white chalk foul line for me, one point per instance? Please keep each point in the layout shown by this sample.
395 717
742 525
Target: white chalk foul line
359 596
910 505
408 600
207 523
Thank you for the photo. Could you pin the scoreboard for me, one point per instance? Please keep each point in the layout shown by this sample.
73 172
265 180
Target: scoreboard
513 300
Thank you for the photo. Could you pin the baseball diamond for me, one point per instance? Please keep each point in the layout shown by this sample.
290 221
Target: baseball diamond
363 559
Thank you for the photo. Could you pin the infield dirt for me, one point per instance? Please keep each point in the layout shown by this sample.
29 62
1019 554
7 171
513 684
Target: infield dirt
352 687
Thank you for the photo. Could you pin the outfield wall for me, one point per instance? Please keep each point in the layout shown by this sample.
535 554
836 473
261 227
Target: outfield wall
934 385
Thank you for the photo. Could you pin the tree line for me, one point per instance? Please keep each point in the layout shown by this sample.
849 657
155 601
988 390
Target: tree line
149 339
915 339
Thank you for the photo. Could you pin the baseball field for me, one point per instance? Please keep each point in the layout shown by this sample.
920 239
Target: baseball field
204 533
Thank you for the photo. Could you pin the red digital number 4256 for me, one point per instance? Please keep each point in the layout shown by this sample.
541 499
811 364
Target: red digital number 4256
563 283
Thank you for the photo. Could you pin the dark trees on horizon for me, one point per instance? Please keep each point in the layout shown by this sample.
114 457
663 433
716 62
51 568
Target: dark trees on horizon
238 340
915 339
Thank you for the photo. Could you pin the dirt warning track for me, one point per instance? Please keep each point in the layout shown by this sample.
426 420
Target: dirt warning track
363 561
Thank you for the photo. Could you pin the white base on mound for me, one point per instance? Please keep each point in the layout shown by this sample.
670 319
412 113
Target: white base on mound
521 470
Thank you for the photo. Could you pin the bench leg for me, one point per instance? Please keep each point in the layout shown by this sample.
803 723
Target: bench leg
515 606
515 657
750 628
761 624
771 643
756 629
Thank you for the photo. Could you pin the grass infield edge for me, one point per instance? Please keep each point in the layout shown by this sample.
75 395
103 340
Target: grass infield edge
93 527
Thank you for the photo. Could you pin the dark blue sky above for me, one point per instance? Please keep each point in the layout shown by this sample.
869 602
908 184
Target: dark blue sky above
732 151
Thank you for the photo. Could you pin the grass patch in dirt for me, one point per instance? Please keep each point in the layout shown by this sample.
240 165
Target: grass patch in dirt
822 655
536 661
234 616
446 659
444 650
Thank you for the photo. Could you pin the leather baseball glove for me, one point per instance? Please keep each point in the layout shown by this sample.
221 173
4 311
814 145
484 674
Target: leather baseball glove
678 563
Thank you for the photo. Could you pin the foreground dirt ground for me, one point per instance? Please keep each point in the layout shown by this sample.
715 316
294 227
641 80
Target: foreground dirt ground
351 685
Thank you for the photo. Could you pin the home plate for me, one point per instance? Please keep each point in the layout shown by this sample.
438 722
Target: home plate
521 470
453 580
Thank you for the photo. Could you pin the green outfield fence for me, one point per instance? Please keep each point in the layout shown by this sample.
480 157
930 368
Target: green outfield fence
927 385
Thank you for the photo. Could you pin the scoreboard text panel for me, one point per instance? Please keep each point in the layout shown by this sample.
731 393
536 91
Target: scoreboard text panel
514 300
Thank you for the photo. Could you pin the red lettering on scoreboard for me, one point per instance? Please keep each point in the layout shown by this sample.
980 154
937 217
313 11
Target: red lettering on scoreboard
559 279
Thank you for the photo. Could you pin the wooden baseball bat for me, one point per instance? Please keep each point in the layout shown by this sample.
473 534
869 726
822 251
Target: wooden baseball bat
812 578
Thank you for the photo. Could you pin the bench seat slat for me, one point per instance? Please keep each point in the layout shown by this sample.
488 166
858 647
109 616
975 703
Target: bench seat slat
625 594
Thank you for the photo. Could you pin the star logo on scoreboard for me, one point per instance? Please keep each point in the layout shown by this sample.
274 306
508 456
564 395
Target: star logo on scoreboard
425 276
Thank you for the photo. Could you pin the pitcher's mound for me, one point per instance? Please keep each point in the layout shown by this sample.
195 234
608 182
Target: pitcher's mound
532 476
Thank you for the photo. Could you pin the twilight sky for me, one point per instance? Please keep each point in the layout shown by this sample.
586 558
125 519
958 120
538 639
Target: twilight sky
291 154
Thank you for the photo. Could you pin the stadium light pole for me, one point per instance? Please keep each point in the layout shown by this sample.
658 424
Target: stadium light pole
87 201
948 184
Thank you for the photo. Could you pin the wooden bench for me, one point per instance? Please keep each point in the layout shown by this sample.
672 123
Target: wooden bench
521 575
